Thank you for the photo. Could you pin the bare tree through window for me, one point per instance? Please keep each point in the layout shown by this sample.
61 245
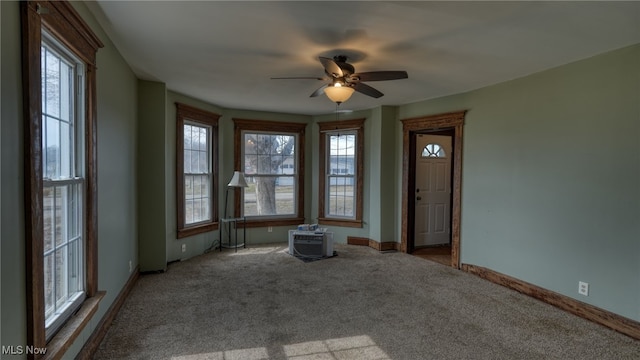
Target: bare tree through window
271 154
270 166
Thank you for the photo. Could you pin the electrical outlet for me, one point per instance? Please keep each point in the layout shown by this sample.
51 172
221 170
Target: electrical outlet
583 288
270 229
130 267
184 247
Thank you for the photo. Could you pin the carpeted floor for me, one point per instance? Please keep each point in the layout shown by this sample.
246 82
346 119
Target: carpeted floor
261 303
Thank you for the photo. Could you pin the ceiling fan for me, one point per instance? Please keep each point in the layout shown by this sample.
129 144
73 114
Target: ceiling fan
343 80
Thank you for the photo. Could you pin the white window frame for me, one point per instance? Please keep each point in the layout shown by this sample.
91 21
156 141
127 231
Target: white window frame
208 174
329 174
64 302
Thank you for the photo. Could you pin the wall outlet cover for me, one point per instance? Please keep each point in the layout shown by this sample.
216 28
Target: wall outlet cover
583 288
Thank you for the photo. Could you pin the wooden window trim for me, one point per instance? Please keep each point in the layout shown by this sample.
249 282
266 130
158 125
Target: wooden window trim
241 125
189 113
61 20
358 126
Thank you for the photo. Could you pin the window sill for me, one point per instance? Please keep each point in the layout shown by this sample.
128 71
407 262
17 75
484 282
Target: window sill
340 222
195 230
65 337
251 223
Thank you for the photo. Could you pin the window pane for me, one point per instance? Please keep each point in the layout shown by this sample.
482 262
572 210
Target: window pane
202 183
187 136
204 186
196 187
194 162
51 135
43 85
65 150
270 170
66 92
269 196
202 142
48 284
341 170
196 210
250 162
188 186
187 161
342 154
341 196
48 215
60 217
204 206
285 195
197 200
188 211
204 162
75 211
51 76
75 270
264 164
61 276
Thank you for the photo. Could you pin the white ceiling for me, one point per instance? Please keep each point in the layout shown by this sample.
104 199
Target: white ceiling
226 52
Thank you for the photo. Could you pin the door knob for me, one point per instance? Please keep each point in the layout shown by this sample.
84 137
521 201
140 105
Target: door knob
419 198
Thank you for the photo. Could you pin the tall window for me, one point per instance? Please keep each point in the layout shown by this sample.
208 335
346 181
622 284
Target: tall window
271 156
63 182
197 148
341 164
59 82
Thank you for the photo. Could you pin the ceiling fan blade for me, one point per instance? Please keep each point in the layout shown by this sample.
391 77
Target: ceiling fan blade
319 91
330 67
381 75
298 77
367 90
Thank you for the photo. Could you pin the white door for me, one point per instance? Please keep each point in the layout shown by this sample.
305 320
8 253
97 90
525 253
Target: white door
433 190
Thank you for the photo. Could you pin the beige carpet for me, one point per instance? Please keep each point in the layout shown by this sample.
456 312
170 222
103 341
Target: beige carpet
262 303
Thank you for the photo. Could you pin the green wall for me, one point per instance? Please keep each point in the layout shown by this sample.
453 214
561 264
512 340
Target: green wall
550 195
152 175
117 219
13 301
551 167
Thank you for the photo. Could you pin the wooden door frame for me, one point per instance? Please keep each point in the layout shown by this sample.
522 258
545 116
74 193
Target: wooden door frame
410 128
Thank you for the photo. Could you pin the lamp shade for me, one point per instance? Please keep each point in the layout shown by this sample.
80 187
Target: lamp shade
338 93
238 180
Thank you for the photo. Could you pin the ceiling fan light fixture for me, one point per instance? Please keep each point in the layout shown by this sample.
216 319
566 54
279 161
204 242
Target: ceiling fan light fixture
338 93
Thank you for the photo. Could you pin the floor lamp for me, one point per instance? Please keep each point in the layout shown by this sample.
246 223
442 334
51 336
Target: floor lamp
237 181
